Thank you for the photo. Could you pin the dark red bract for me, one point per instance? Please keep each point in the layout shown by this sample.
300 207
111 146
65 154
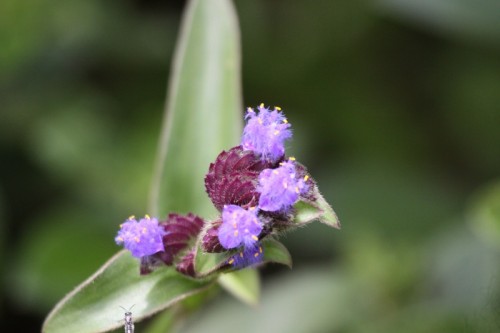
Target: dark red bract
232 178
186 264
210 241
180 233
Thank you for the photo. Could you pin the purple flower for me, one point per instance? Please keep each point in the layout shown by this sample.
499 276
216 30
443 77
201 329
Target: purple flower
280 188
141 238
240 227
265 133
247 256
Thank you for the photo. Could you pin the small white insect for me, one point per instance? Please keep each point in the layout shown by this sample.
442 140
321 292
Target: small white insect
129 323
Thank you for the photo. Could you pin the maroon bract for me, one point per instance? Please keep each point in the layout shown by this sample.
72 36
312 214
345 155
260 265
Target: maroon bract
186 264
180 233
232 178
210 241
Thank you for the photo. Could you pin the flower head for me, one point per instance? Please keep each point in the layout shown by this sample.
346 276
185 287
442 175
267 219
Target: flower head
280 188
240 227
141 238
265 133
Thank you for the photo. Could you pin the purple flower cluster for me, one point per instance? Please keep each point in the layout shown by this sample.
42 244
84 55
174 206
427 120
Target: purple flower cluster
241 229
161 243
280 188
252 185
141 238
272 188
266 132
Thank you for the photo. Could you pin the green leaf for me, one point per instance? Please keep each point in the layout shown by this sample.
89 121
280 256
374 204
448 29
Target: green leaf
203 117
243 284
94 306
204 110
307 211
208 263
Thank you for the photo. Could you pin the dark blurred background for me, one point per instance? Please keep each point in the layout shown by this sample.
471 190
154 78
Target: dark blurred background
395 106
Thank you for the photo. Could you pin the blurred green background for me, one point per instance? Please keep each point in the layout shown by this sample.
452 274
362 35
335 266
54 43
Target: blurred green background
395 106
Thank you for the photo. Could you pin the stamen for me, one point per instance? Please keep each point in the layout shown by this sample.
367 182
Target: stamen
276 132
306 177
255 238
241 254
137 240
121 225
131 217
147 217
236 233
144 231
297 190
231 261
256 254
261 105
119 238
260 249
291 158
277 108
275 172
285 121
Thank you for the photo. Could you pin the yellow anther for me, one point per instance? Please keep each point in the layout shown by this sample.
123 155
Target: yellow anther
292 158
121 225
281 163
144 231
261 105
306 177
236 233
131 217
275 172
276 132
241 254
147 217
234 225
252 208
250 110
256 254
259 120
277 108
260 249
297 190
137 240
231 261
120 239
285 121
255 237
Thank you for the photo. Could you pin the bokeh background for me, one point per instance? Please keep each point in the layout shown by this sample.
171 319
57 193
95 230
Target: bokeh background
395 106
